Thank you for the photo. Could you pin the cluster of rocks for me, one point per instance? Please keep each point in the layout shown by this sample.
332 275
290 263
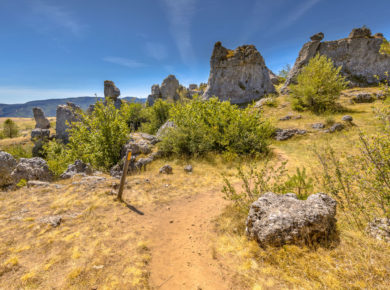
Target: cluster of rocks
347 119
78 167
276 220
239 76
290 117
167 91
284 134
358 55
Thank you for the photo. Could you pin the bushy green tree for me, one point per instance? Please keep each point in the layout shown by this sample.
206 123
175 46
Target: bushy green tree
10 129
203 126
283 73
134 115
156 116
98 138
318 85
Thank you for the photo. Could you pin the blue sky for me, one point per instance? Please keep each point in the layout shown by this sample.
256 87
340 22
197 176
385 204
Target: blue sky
54 49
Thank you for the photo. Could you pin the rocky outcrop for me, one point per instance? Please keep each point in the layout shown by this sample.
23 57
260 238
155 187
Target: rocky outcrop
32 169
275 80
65 114
165 128
284 134
78 167
112 92
358 55
275 220
41 121
7 165
39 137
168 91
239 75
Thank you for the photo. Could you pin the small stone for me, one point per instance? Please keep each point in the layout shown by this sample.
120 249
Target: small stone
347 118
336 127
318 126
166 169
188 168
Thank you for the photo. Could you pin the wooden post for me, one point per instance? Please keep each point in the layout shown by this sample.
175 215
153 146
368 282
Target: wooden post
124 174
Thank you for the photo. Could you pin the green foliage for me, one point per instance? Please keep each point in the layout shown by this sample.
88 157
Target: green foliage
360 182
384 85
385 47
283 73
329 121
57 157
98 138
156 116
319 85
2 135
10 129
271 101
203 126
22 183
19 150
133 114
299 183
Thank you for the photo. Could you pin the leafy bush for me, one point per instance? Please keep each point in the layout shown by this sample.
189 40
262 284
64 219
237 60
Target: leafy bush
203 126
385 47
19 150
156 116
319 85
10 129
134 115
283 73
57 157
98 138
361 182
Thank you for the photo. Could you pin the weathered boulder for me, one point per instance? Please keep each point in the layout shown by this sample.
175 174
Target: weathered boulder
336 127
65 114
318 126
347 118
358 55
32 169
78 167
112 92
275 220
363 98
317 37
39 137
168 91
188 168
151 138
166 169
239 75
284 134
165 128
379 229
41 121
7 165
275 80
260 103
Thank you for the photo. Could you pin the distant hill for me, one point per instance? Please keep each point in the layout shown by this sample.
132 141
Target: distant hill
50 106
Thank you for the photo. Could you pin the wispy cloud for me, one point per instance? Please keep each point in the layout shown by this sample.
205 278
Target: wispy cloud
131 63
58 16
180 14
156 50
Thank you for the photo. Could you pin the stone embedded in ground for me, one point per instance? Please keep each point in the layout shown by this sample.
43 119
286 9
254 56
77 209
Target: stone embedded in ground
336 127
363 98
37 183
284 134
78 167
188 168
260 103
275 220
239 75
318 126
54 220
347 118
379 229
285 118
7 165
65 114
358 55
32 169
166 169
41 121
39 137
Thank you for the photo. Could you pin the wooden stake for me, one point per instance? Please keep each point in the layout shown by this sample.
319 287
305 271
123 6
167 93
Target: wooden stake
124 174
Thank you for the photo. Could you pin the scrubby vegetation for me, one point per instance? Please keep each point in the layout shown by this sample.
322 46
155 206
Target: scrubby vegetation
10 129
283 73
385 48
155 116
318 86
216 126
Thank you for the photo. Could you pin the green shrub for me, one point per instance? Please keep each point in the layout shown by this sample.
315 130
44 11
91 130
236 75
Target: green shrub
318 85
156 116
134 115
19 150
272 101
57 157
203 126
10 129
385 47
283 73
299 183
2 135
98 138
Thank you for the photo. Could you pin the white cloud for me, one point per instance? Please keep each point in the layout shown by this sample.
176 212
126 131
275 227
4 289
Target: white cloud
156 50
57 16
124 61
180 14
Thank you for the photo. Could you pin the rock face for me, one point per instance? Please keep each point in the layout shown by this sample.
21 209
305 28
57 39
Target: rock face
164 128
273 77
168 91
276 220
41 121
32 169
7 165
76 168
112 92
39 137
65 113
239 75
379 229
358 55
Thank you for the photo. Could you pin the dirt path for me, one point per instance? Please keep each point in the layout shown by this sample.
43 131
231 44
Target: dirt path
180 240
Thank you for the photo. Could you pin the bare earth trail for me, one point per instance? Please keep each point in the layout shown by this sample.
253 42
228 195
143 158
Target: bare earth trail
180 238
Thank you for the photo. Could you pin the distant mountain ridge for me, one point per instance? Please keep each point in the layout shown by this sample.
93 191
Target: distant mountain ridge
50 106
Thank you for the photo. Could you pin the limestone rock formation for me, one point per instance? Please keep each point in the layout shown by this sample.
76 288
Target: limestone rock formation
65 113
39 137
76 168
7 165
41 121
358 55
167 91
239 75
276 220
112 92
166 169
164 128
275 80
317 37
284 134
31 169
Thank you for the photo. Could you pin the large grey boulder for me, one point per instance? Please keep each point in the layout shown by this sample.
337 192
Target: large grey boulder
363 98
239 75
66 114
284 134
358 55
32 169
78 167
39 137
7 165
112 92
276 220
41 121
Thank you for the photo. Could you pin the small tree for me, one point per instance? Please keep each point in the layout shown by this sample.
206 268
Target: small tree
283 73
10 129
385 47
319 85
156 116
